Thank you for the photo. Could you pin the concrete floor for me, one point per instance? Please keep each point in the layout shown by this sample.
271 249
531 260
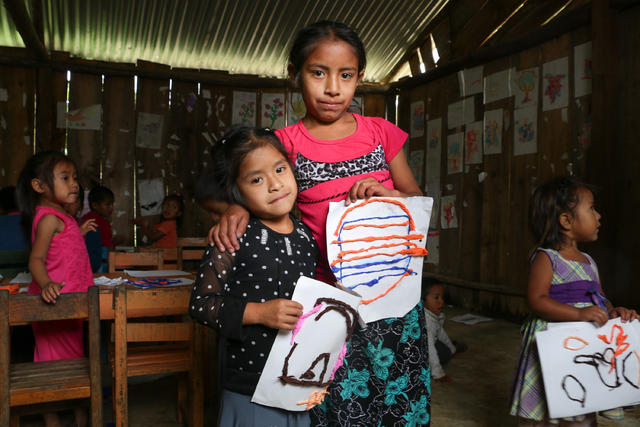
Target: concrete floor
478 395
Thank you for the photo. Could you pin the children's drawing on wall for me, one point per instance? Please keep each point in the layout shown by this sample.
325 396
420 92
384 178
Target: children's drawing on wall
525 131
470 81
492 137
460 113
296 108
582 75
448 216
244 108
555 81
473 143
587 368
497 86
417 119
525 84
150 195
416 163
375 248
433 247
434 150
88 118
300 366
272 110
149 130
454 153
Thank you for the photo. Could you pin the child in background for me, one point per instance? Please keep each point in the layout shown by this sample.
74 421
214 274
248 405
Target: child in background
58 261
441 349
165 233
563 286
338 155
89 231
247 295
101 203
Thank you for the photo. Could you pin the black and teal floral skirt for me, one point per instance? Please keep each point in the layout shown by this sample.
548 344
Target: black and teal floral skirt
385 380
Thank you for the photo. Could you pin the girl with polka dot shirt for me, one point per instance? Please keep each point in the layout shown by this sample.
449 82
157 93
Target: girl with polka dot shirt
246 295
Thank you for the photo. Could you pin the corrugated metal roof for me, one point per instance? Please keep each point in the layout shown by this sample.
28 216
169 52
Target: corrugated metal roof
241 36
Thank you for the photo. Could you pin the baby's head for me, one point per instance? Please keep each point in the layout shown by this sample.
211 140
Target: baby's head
433 296
552 204
101 201
254 170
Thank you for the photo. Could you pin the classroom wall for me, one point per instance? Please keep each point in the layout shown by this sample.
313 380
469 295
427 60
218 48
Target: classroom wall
191 124
485 257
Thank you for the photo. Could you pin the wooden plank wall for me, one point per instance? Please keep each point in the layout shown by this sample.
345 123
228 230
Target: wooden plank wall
192 123
491 245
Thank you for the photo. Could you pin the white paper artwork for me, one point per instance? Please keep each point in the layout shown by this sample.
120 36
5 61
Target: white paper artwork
525 85
461 112
417 119
470 81
455 153
89 117
525 131
244 108
272 110
151 195
497 86
587 368
473 143
375 247
416 164
555 84
302 362
434 150
492 137
149 130
582 69
448 216
296 109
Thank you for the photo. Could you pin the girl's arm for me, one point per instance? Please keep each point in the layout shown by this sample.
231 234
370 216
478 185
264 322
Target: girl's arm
152 234
403 181
49 226
87 226
540 276
232 225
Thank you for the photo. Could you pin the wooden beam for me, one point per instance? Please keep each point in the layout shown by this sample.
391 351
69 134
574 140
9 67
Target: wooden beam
575 19
25 27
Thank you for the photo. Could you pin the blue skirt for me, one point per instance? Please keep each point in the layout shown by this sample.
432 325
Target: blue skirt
239 411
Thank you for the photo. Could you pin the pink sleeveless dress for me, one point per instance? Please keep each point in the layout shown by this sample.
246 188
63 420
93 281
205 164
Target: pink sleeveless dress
68 262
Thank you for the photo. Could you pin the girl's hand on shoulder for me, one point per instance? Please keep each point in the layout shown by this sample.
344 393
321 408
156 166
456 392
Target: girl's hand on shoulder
87 226
593 314
51 292
280 313
230 228
369 187
625 314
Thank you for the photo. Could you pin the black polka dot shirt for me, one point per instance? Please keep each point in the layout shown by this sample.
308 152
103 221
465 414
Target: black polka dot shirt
267 266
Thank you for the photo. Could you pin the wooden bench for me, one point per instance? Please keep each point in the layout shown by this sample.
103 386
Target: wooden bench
172 347
23 385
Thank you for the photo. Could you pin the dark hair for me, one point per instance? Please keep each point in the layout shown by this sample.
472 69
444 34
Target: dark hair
178 199
99 194
308 38
39 166
207 186
550 200
8 201
231 150
427 284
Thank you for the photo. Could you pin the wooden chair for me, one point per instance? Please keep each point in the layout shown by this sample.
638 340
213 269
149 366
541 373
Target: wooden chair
190 248
27 388
172 347
169 257
152 259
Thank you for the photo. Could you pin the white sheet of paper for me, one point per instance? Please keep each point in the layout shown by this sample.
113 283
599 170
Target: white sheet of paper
324 331
88 118
151 194
582 74
149 130
372 248
434 150
555 84
470 80
525 85
156 273
21 278
470 319
525 130
577 366
497 86
473 143
417 119
244 108
448 216
492 137
455 114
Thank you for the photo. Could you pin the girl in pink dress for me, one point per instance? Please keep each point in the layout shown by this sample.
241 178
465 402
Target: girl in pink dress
59 261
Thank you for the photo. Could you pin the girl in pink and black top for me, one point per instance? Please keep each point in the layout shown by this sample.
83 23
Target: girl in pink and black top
59 261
